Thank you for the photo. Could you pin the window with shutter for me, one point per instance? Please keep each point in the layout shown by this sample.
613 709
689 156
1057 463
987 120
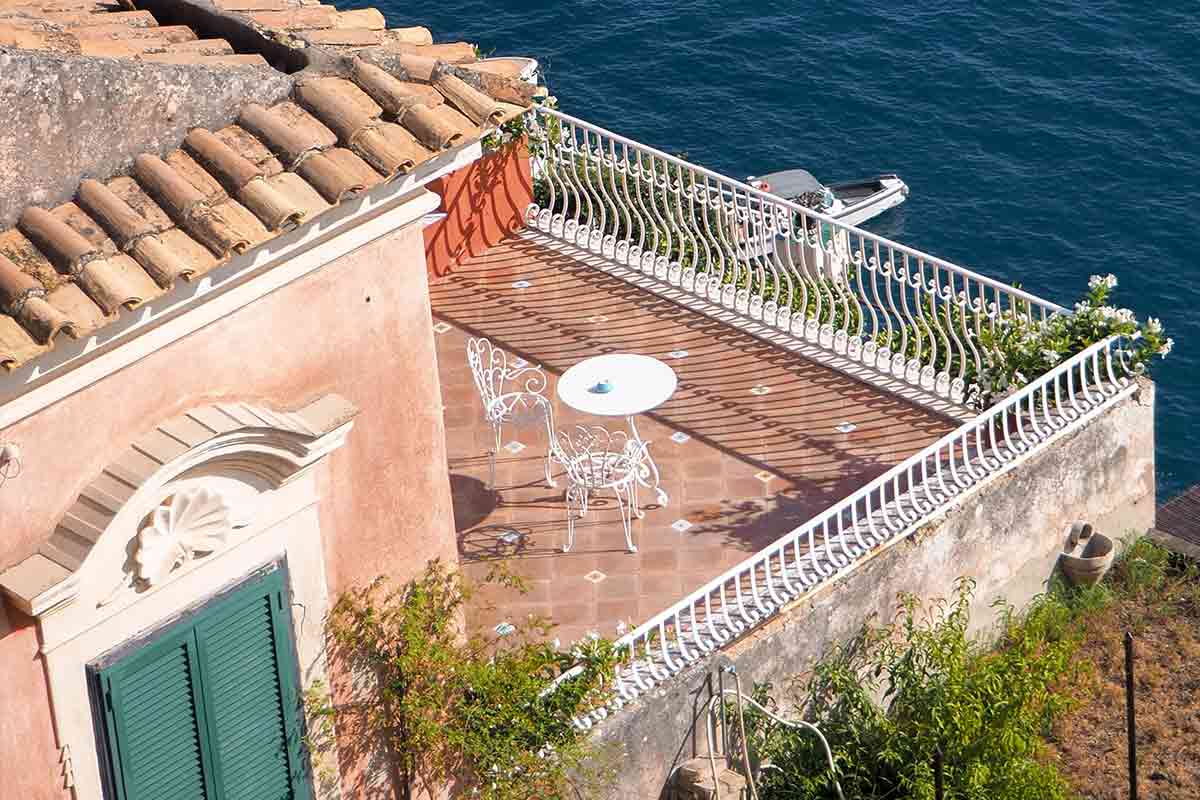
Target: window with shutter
209 710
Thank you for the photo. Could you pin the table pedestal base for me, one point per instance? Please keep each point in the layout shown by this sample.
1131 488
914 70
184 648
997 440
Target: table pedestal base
648 475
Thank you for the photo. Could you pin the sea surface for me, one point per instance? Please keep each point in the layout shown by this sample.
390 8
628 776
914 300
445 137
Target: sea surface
1042 142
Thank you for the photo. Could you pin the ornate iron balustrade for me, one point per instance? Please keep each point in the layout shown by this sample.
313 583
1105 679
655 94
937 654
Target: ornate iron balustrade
897 310
892 505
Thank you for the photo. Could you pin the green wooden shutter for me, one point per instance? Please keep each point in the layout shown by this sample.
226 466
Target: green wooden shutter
157 740
249 696
210 710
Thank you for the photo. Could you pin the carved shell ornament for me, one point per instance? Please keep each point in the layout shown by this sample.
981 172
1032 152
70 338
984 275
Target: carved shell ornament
191 522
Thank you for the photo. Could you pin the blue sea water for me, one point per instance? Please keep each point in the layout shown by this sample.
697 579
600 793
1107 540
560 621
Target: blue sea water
1042 142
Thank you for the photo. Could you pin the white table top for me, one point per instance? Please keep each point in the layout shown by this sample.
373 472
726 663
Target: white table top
639 383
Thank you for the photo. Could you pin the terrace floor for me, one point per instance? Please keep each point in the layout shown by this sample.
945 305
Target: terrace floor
742 466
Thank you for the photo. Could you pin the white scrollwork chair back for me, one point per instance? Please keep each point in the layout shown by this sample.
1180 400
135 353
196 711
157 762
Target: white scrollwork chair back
511 395
595 458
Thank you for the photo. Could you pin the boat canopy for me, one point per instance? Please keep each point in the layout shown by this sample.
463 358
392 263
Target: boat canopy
791 183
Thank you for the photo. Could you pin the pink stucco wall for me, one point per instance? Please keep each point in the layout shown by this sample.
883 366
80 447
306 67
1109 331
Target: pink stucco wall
361 327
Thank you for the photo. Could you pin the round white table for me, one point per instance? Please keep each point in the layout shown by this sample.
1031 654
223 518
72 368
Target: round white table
620 385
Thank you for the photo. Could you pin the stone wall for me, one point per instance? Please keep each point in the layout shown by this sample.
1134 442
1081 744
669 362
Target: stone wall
74 117
1005 534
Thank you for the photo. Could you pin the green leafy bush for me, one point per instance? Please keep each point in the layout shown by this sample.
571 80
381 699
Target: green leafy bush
492 717
895 695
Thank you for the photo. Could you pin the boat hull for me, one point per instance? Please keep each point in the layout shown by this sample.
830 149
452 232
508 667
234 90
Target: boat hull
865 200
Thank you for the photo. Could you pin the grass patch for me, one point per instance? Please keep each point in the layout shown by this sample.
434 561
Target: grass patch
1156 595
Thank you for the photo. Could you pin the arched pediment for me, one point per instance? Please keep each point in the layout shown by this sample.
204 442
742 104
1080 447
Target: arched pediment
260 446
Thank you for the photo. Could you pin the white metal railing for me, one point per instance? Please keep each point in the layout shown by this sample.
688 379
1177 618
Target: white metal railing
895 309
889 507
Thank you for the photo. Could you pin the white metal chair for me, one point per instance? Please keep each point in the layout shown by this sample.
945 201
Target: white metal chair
511 395
595 459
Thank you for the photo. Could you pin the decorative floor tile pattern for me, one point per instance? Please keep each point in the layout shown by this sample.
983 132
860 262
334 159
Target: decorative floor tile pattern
720 511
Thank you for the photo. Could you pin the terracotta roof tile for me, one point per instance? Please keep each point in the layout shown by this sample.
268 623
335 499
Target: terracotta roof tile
31 35
221 160
195 255
197 176
128 190
451 53
432 129
476 105
367 18
253 5
117 48
21 252
250 148
299 193
85 226
165 33
134 19
242 222
124 242
330 178
305 18
74 304
352 38
208 47
393 95
415 35
304 124
188 207
16 345
231 60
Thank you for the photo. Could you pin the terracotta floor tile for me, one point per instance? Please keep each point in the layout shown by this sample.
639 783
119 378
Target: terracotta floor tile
788 434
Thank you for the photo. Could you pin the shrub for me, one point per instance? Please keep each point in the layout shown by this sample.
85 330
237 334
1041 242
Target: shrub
895 695
486 715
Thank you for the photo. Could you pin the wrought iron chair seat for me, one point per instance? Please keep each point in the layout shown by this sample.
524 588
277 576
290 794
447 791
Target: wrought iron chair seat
595 459
504 405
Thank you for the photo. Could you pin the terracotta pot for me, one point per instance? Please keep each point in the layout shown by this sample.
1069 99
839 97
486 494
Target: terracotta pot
1088 555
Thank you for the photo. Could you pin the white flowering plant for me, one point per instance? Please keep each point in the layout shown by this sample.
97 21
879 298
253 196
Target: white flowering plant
1020 349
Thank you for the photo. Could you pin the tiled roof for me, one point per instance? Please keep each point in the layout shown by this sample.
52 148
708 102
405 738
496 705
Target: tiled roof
109 28
121 242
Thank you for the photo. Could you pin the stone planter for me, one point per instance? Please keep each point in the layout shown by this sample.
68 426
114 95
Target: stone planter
1087 556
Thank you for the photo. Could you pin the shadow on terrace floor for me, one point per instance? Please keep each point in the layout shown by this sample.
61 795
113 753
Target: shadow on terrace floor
748 447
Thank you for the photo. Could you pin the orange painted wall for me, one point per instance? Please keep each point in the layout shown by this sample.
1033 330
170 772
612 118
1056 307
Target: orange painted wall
360 326
484 203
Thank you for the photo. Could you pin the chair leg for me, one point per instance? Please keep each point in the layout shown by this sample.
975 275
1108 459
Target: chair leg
549 452
492 457
626 506
580 496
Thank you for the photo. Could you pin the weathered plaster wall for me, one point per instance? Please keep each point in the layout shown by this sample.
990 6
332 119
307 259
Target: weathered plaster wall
68 118
361 327
1006 535
28 753
484 203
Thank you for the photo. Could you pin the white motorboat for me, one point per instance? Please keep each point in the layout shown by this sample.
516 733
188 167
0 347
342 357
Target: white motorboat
851 202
